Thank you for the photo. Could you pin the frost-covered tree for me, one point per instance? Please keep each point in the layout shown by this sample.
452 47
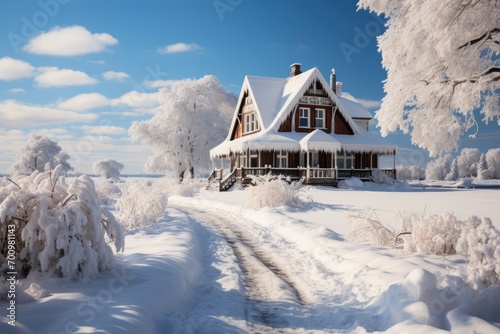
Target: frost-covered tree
36 153
442 62
409 172
467 162
453 174
194 117
493 162
438 168
482 168
109 169
55 227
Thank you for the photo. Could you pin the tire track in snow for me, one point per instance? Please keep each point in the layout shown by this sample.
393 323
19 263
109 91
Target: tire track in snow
267 284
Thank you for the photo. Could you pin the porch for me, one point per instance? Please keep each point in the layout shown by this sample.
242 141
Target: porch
310 175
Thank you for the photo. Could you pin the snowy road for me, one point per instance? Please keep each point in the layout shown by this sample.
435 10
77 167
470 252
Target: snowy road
272 293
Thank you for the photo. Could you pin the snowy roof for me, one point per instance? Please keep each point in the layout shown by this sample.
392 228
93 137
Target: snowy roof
352 105
318 140
275 98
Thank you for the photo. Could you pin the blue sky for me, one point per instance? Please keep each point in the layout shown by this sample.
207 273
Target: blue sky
82 71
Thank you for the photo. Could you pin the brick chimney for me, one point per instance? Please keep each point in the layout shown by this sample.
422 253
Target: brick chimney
295 69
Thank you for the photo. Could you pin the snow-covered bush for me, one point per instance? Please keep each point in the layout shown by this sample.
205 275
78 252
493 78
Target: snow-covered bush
50 226
273 191
366 228
36 153
187 188
109 169
444 234
379 177
107 191
141 204
351 183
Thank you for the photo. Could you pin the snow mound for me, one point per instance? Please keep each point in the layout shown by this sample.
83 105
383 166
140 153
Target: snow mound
351 183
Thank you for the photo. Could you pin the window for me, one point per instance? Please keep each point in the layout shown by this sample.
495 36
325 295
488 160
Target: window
345 161
319 118
243 161
251 123
254 160
282 159
304 118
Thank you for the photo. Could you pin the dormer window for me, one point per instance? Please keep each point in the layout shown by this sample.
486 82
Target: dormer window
304 114
251 123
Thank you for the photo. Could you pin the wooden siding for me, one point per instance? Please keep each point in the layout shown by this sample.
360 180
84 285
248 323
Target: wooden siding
341 125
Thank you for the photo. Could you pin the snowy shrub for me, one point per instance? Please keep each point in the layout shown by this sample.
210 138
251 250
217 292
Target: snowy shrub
187 188
55 227
444 234
141 204
36 153
379 177
273 191
109 169
366 228
107 191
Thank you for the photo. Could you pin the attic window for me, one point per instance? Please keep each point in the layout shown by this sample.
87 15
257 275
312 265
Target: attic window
319 118
251 123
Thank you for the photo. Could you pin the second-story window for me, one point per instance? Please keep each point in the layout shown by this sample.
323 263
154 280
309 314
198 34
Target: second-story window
319 118
304 118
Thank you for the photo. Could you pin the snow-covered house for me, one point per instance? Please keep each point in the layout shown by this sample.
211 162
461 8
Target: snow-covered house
301 127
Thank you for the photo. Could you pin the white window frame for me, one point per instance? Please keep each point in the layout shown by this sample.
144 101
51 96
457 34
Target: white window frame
322 118
282 157
243 160
251 123
343 160
254 156
302 110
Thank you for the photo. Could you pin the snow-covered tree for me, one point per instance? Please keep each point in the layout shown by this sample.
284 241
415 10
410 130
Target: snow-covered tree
493 162
467 162
482 168
109 169
453 174
409 172
194 117
36 153
50 226
442 62
438 168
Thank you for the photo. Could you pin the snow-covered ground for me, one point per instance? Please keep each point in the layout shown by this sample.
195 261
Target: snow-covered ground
211 266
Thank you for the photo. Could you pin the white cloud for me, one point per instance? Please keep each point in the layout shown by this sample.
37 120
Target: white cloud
179 47
370 104
11 69
16 90
137 99
14 114
119 76
84 102
160 83
133 99
104 130
69 41
55 77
